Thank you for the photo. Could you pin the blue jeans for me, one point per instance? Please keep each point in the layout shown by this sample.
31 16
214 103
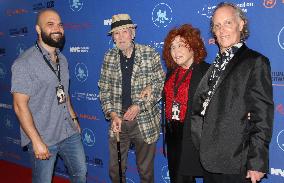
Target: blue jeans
71 151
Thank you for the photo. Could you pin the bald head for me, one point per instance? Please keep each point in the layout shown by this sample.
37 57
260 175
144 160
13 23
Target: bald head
46 13
50 29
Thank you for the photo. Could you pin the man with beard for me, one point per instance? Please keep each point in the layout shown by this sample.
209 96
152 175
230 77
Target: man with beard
49 126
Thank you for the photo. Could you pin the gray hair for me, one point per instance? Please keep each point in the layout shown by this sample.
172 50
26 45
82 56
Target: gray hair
239 13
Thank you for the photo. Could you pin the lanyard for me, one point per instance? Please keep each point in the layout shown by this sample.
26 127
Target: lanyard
176 86
50 66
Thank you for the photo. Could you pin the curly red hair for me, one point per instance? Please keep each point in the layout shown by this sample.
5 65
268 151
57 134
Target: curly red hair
191 37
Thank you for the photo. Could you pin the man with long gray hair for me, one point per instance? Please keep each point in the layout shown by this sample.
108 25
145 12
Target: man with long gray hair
233 106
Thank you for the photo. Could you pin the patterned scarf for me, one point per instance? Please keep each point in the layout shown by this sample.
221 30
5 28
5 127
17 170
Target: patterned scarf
219 65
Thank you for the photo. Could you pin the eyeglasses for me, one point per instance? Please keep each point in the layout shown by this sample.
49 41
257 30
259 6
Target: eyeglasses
178 45
226 24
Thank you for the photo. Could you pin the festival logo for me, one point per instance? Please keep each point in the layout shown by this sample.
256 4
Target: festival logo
20 48
165 174
280 140
269 3
157 44
162 15
81 72
206 11
76 5
128 180
3 71
7 121
281 38
88 137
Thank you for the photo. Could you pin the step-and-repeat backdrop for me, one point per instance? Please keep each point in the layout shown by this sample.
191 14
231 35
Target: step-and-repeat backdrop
86 24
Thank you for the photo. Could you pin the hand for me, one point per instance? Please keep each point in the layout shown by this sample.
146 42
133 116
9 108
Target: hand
131 113
41 151
146 93
116 124
254 176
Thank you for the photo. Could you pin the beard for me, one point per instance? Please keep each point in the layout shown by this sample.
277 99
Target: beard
57 43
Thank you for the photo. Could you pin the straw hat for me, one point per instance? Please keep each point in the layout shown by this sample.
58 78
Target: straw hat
121 21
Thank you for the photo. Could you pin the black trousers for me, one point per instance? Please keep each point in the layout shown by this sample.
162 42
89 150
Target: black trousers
174 144
224 178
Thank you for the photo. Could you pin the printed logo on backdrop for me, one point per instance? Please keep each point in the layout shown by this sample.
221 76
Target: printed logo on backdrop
77 26
7 121
280 109
162 15
88 137
6 106
42 5
2 52
76 5
111 43
277 76
79 49
280 140
94 161
277 171
12 140
208 9
157 45
20 31
81 72
19 11
281 38
128 180
20 48
269 3
3 71
62 171
85 96
165 174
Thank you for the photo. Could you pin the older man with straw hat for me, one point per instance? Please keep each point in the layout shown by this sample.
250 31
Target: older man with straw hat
129 72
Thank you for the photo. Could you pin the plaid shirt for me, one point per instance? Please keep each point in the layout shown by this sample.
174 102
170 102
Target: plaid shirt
147 70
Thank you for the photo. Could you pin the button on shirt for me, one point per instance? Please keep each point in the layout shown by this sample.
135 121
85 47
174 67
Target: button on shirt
33 77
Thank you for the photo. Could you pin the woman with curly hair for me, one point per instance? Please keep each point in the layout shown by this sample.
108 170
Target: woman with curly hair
184 53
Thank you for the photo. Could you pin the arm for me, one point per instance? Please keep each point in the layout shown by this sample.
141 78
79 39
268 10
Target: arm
105 95
156 85
23 112
105 85
73 114
261 107
151 94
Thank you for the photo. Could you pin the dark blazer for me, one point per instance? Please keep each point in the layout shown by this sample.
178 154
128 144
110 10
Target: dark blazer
228 141
189 156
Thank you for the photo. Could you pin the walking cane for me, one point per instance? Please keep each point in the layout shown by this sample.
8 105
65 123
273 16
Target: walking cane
118 156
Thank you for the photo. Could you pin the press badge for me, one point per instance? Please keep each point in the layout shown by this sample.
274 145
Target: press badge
175 111
61 97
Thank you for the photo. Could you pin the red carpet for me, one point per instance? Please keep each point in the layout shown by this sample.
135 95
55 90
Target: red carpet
13 173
